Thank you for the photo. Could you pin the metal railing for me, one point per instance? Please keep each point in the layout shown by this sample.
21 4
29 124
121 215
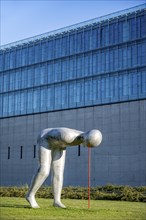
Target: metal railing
74 27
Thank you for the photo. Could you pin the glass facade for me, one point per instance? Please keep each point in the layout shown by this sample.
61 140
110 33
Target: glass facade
103 62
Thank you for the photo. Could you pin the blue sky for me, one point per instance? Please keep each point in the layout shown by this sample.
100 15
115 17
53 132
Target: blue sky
20 19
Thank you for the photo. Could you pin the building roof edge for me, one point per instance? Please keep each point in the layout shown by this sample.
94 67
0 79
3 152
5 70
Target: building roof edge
73 27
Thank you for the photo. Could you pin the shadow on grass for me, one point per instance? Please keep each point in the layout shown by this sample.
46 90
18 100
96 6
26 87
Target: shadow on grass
15 206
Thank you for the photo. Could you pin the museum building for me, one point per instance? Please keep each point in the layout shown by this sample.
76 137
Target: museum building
84 76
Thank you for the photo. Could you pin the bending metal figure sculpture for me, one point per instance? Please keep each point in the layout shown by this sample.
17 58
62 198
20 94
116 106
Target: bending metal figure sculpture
52 143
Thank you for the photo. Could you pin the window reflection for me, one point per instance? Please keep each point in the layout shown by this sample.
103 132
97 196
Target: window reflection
104 63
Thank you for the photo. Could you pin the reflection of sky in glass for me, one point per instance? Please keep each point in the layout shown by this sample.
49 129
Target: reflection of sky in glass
23 19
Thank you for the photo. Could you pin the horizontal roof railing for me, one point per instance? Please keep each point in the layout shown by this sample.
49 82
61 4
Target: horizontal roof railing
74 27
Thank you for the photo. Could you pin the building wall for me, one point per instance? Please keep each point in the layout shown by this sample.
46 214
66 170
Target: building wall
120 159
90 75
101 63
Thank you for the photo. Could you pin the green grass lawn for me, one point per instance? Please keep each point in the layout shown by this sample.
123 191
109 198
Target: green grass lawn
18 208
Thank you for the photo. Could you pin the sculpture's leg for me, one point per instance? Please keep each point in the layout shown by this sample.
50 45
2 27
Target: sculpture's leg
40 176
58 162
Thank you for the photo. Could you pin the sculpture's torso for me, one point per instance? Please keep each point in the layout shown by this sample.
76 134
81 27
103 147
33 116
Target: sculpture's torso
60 137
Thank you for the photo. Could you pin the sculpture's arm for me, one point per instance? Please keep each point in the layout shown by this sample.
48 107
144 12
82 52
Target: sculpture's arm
63 137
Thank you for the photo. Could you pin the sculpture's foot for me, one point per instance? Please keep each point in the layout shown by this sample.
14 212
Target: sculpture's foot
59 205
32 202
